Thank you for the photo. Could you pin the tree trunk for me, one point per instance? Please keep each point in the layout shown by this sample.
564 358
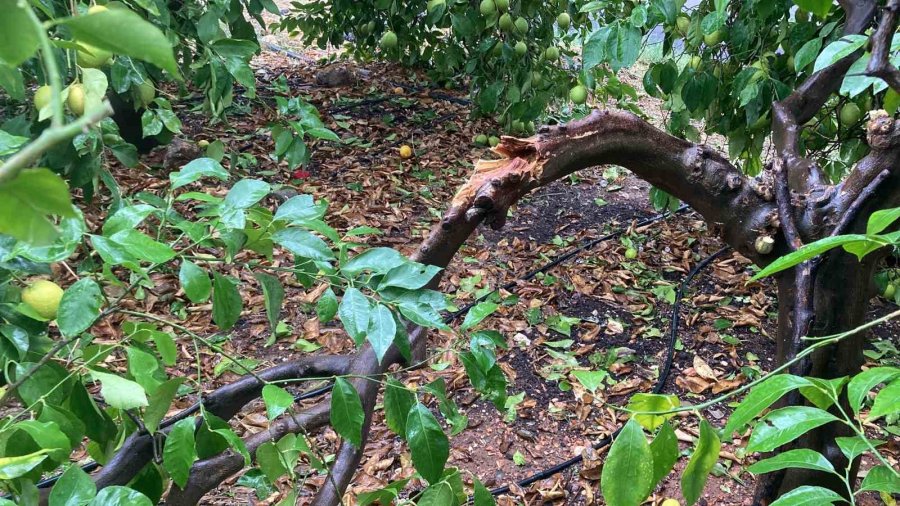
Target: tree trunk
843 287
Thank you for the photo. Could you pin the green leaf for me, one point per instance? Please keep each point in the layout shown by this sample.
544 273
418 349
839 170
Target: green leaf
652 402
809 251
664 449
118 496
227 303
843 47
807 495
142 247
159 402
122 31
303 244
277 399
382 329
180 451
409 275
702 461
79 307
346 412
623 46
273 295
377 260
478 313
398 400
881 479
807 54
354 312
785 425
481 495
801 458
127 218
74 488
887 401
194 281
13 467
855 446
18 36
28 200
300 209
327 306
628 472
439 494
820 8
591 380
860 385
427 443
196 170
119 392
880 220
761 397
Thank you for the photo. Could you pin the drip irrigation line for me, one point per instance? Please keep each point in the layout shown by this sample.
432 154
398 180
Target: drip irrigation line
93 465
657 388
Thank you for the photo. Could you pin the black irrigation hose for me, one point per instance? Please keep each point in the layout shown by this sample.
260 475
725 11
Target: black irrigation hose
658 388
93 465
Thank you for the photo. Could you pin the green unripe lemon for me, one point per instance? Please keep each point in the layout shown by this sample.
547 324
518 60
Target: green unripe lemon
521 48
552 53
713 39
889 291
488 7
563 20
434 4
522 25
497 50
536 78
388 40
42 97
631 253
506 23
92 57
695 62
502 5
370 26
76 99
43 296
578 94
481 139
203 143
683 23
850 114
493 140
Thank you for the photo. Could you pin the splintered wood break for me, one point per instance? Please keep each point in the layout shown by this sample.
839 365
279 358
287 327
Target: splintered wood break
495 171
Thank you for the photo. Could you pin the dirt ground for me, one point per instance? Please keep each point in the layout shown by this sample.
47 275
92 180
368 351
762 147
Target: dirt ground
619 309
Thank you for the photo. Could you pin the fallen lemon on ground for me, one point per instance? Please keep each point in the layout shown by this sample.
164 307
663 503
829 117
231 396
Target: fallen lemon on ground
43 296
670 502
405 152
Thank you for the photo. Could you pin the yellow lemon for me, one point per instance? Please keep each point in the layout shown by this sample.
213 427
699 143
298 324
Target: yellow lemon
405 152
43 296
670 502
93 57
76 99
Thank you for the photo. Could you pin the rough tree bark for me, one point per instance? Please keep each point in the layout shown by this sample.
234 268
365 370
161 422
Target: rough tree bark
790 204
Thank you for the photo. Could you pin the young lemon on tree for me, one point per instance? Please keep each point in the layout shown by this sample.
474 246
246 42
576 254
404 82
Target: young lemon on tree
76 99
94 9
406 152
578 94
850 114
522 25
683 23
488 7
42 97
388 40
521 48
713 39
563 20
43 296
552 53
502 5
92 57
506 23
